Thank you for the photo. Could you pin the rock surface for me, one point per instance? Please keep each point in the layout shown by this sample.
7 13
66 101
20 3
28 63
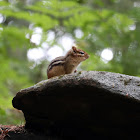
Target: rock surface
83 105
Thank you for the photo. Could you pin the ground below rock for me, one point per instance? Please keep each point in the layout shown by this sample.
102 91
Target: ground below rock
84 105
11 132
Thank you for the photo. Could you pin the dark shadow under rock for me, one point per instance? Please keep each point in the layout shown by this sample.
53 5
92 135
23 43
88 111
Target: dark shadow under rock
83 105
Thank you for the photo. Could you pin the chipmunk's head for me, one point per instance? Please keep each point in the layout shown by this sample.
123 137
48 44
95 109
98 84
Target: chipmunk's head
78 54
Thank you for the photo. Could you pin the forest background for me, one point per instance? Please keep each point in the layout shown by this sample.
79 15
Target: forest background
32 32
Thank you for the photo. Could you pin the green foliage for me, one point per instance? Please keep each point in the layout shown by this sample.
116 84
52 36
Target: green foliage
104 24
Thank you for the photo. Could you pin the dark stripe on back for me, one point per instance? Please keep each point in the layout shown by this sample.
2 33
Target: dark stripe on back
56 62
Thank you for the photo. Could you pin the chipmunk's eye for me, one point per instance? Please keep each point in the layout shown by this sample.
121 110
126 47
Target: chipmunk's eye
81 52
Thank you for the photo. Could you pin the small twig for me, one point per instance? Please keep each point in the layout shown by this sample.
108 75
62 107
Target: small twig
3 134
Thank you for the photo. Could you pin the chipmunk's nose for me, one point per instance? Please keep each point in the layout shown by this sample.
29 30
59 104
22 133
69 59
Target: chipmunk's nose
88 56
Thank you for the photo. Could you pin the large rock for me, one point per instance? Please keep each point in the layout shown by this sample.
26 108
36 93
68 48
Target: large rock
83 105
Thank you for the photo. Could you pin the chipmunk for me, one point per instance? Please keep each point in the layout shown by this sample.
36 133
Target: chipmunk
66 64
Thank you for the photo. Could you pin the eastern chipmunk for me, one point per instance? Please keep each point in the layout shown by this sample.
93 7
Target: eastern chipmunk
66 64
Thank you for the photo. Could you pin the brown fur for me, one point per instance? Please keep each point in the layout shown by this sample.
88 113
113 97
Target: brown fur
66 64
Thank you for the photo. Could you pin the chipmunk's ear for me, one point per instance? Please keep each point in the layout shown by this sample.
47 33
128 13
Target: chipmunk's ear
74 48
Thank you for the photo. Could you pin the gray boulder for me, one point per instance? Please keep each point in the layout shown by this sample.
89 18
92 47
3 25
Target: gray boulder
83 105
